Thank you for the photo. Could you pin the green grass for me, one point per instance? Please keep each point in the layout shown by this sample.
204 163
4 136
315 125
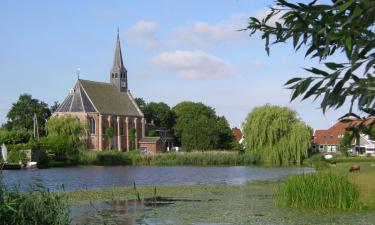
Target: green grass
34 206
319 190
209 158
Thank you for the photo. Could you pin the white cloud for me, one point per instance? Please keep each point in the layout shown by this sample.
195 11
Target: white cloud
192 64
143 33
203 34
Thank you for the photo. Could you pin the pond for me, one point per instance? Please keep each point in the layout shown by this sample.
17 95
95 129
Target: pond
95 177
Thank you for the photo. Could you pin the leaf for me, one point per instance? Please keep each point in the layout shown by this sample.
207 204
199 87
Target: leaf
345 6
313 90
311 49
317 71
293 80
333 66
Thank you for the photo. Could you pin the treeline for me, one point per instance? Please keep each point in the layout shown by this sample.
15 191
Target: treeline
194 126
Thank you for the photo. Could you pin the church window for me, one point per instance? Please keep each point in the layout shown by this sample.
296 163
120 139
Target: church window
92 125
122 128
103 128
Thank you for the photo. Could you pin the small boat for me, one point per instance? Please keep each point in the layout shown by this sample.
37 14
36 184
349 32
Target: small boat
8 166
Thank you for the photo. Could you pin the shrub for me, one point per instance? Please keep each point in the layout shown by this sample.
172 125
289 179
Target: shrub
34 206
17 156
14 137
319 190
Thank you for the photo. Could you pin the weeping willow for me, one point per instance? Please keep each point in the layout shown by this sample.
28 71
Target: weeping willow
276 135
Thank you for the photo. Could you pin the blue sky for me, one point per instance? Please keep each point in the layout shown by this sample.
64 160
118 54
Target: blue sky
173 51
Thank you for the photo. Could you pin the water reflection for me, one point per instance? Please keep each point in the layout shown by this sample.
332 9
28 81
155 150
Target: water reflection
75 178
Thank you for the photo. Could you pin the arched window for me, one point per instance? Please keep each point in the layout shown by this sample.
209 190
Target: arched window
122 132
92 125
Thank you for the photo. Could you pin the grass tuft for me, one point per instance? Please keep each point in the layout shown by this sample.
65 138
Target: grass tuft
320 190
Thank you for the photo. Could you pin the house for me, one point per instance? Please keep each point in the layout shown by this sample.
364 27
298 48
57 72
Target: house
103 105
238 134
152 145
329 140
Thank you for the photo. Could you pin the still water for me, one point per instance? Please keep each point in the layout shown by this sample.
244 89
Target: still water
93 177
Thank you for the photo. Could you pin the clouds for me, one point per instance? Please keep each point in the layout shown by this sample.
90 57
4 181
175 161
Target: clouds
203 34
143 33
193 65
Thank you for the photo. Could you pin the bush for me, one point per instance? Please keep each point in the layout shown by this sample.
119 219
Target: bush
14 137
17 156
34 206
319 190
108 158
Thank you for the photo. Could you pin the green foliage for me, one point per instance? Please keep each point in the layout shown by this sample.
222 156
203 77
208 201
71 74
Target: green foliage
132 135
21 114
319 190
141 103
276 135
160 113
198 127
34 206
54 107
345 143
108 158
342 26
65 138
110 133
226 137
208 158
14 137
152 133
17 156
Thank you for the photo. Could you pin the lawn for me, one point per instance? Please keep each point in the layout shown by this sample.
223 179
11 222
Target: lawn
364 179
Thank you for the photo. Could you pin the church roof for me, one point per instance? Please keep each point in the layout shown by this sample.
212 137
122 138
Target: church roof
104 98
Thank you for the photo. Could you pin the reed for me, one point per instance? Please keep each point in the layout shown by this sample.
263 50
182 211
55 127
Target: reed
36 205
319 190
209 158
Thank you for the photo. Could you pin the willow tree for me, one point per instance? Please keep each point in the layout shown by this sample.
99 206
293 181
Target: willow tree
276 135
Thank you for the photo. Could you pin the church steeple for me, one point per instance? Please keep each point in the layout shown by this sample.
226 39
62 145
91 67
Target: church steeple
118 73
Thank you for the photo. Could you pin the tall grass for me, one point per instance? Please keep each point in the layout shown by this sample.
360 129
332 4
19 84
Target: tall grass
210 158
34 206
319 190
108 158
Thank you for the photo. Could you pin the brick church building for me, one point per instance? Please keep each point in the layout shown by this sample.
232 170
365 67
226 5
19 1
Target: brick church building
104 105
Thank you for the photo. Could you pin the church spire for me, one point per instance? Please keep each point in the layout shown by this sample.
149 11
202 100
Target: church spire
118 73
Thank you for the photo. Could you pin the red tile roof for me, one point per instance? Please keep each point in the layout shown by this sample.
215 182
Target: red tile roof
237 133
333 134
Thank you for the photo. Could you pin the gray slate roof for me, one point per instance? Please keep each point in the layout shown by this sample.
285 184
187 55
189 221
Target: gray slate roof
104 98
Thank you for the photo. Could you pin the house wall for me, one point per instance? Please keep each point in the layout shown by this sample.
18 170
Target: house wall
153 148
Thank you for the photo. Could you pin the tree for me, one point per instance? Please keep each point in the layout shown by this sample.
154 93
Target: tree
21 114
346 143
276 135
226 137
198 127
342 26
132 135
141 103
65 137
160 113
54 107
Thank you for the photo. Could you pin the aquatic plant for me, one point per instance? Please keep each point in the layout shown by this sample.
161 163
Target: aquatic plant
36 205
319 190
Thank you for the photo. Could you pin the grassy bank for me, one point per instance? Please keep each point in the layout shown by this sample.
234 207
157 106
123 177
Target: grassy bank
209 158
333 181
36 205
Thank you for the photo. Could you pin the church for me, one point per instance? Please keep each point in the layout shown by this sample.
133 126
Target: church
103 105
